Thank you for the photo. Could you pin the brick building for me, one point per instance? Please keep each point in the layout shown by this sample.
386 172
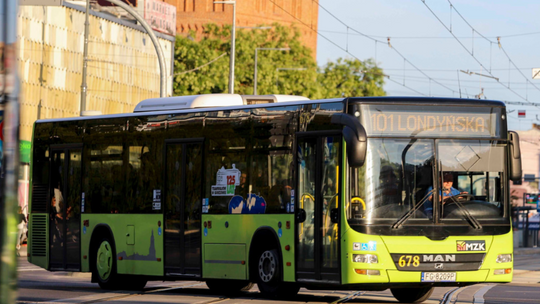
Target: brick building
194 14
529 142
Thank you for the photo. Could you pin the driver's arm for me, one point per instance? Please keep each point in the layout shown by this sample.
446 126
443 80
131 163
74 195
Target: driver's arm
453 192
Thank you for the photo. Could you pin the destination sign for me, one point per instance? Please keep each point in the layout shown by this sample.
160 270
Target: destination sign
407 121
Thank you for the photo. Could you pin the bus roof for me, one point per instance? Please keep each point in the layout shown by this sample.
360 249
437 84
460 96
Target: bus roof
429 101
295 100
280 100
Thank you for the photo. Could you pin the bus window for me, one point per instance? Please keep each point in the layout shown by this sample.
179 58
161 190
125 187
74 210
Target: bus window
395 178
479 166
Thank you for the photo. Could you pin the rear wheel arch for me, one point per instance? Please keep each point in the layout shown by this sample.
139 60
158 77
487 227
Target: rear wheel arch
264 238
99 232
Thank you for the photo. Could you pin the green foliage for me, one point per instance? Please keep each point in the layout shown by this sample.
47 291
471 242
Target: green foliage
278 71
352 78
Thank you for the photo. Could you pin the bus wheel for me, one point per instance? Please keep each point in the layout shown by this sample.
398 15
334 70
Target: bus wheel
133 282
412 295
229 287
269 276
105 269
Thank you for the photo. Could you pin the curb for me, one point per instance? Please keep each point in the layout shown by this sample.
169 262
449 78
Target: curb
23 251
526 251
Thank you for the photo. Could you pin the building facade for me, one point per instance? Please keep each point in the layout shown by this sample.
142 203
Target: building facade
122 63
529 142
192 15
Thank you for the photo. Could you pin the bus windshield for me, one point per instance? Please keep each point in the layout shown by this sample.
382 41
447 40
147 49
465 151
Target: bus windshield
428 180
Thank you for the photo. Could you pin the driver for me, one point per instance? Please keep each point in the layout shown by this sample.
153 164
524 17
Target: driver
444 193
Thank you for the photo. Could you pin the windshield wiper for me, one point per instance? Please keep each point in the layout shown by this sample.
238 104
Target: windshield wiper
409 213
472 221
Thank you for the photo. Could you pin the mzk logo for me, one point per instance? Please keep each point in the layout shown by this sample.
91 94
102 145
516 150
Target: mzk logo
471 245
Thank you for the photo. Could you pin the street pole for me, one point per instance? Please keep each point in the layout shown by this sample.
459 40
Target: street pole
233 38
233 51
85 58
153 38
255 73
9 149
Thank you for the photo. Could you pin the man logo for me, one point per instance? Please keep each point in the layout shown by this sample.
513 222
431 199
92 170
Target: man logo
439 258
471 245
439 266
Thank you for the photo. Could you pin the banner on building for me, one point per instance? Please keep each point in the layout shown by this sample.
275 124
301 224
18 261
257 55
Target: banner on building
161 16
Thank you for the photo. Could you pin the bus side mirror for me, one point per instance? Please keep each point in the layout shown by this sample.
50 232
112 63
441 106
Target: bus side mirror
515 157
355 138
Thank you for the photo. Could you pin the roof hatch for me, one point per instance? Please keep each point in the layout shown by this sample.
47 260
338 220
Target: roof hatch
209 101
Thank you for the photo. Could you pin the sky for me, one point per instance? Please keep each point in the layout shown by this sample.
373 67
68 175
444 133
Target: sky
431 42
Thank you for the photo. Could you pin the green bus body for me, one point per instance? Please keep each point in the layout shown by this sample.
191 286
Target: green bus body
269 145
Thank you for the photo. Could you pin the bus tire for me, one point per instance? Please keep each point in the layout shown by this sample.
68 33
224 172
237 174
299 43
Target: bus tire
105 267
412 295
132 282
269 274
229 287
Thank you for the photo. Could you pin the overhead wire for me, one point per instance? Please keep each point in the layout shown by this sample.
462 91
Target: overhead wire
374 38
498 42
429 37
491 42
467 50
389 44
339 47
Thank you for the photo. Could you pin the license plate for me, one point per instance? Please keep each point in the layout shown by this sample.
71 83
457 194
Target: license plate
438 276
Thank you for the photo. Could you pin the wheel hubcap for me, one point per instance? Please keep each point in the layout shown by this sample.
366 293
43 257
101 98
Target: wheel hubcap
104 260
267 266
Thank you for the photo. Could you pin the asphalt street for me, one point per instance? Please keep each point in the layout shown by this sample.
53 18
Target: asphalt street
39 286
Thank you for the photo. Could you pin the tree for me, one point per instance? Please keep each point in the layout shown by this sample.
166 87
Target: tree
351 77
197 71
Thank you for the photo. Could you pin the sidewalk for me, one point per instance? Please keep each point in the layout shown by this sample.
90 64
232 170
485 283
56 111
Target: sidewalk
527 251
23 251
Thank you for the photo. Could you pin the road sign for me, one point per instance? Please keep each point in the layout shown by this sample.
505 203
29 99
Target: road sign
521 113
529 177
536 73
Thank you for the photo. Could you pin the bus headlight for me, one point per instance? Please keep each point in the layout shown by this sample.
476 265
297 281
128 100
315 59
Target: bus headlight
365 258
504 258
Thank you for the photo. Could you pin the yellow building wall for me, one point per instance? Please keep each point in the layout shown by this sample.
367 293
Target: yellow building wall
122 69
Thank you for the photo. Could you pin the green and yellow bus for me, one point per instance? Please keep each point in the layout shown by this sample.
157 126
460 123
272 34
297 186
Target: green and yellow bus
367 193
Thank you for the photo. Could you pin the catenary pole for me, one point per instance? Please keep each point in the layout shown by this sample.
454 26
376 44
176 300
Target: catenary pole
153 38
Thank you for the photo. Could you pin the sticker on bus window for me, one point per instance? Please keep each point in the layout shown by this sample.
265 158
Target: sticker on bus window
253 205
292 201
226 181
369 246
82 202
205 206
157 195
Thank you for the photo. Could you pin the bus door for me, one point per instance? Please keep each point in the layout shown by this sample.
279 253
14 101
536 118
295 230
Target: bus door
65 208
317 212
183 193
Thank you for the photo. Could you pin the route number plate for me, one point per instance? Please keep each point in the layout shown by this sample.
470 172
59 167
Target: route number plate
438 276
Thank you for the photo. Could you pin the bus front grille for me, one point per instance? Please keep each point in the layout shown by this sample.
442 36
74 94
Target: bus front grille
39 198
438 262
39 235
